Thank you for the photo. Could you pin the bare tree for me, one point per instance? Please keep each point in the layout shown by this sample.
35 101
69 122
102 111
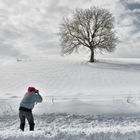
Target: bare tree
91 28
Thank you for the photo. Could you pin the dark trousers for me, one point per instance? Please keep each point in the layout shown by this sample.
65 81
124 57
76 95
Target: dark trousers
23 115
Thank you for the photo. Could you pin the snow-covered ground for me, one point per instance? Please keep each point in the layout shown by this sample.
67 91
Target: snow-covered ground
82 101
62 126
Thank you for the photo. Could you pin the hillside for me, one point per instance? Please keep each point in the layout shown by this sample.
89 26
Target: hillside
81 100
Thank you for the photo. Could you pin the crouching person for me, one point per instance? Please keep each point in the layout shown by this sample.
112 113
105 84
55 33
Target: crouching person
30 98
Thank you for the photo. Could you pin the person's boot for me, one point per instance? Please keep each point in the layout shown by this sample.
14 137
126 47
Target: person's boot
22 126
32 127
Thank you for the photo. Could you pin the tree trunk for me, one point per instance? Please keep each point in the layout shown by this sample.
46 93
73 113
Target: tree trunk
92 56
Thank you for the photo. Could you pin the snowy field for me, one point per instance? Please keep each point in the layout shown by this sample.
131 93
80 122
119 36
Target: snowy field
82 101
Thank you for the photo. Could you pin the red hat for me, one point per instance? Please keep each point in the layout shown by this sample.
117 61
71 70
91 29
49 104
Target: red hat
31 89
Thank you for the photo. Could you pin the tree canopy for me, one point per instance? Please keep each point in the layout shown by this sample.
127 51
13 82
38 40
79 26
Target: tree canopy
92 28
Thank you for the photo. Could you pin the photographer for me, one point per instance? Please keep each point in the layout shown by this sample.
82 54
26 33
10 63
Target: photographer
28 102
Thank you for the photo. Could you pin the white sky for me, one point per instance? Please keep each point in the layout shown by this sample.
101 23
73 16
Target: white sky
29 27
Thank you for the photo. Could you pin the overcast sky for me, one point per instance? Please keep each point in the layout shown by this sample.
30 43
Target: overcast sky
29 27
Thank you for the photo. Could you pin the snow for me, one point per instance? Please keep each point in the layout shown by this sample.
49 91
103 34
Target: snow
56 126
81 101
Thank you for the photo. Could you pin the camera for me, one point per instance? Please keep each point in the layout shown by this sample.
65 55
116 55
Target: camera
37 91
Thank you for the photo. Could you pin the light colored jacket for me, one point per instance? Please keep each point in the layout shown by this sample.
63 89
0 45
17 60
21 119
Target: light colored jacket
30 99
